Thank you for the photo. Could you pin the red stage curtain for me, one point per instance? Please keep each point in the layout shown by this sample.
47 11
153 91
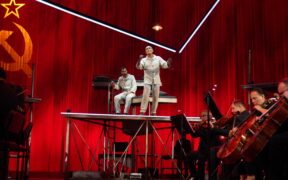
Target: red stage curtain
68 52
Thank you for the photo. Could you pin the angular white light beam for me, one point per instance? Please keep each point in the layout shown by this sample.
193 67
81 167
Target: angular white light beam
199 25
77 14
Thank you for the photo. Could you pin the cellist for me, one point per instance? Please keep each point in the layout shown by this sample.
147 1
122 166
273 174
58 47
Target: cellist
239 114
278 143
254 170
248 170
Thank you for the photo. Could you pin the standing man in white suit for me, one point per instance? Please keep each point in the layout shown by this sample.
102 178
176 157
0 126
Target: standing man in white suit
151 65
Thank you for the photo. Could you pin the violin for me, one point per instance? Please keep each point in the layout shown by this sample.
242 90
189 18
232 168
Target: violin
203 124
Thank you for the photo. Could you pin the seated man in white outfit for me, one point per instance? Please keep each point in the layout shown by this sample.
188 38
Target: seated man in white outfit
127 84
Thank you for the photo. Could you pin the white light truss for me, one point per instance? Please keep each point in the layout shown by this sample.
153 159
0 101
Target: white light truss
104 24
199 25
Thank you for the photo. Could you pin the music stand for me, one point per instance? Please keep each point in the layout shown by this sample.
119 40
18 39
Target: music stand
181 124
183 127
212 106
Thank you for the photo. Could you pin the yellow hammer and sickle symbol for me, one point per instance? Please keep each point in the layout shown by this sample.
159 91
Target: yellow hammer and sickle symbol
20 62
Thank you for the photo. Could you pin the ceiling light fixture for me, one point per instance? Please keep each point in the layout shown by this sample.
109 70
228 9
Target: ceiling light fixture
157 27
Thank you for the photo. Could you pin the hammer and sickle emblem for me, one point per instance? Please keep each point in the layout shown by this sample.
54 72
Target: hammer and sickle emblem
20 62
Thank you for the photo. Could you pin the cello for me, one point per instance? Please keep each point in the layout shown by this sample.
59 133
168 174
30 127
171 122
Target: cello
264 128
230 152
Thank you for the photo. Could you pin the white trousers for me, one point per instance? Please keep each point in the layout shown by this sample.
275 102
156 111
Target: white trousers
145 98
126 98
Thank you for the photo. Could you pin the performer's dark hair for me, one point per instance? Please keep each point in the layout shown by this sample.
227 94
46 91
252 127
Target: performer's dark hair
123 67
2 73
259 91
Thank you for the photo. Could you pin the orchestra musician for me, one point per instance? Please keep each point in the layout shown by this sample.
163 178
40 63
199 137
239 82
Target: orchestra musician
11 98
209 142
239 115
260 101
239 112
258 168
127 84
151 65
278 144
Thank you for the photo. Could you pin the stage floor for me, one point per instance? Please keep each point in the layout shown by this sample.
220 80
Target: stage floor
163 177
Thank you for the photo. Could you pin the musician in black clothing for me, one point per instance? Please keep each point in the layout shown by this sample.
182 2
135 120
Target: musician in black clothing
258 168
260 101
238 111
278 144
9 100
239 115
209 142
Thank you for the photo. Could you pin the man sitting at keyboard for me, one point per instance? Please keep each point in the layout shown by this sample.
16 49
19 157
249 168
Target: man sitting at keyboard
127 84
